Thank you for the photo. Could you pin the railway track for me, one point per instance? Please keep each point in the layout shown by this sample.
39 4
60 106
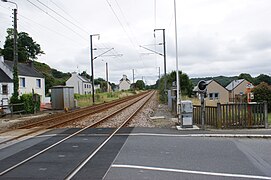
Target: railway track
68 118
82 162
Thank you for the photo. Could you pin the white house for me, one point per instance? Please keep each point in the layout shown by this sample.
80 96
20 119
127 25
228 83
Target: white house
125 83
6 88
80 84
29 78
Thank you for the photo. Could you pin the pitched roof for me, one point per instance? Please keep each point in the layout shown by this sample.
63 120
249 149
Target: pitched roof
4 77
24 69
84 79
234 84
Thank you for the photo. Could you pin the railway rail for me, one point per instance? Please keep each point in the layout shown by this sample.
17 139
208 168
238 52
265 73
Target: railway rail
142 101
68 118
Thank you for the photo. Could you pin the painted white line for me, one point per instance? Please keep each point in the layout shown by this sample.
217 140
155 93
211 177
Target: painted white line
190 172
199 135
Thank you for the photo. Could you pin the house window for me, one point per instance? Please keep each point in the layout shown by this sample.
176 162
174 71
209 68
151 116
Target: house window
211 96
216 96
4 89
85 86
38 83
22 82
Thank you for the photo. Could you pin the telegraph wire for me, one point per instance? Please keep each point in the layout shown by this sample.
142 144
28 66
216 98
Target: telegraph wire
62 16
55 19
47 28
112 9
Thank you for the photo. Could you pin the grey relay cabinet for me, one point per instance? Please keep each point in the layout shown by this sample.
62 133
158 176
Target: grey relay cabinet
187 114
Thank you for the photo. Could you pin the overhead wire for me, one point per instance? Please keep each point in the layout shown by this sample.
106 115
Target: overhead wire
56 19
124 29
62 16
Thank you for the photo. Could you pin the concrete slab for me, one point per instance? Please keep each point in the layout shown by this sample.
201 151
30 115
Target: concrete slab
180 128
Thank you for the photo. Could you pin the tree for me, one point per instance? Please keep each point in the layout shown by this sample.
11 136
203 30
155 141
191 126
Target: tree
140 85
262 92
263 78
85 74
28 49
102 82
246 77
185 84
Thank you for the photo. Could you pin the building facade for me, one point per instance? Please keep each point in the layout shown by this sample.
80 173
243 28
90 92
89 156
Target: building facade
80 84
237 89
215 93
125 83
30 80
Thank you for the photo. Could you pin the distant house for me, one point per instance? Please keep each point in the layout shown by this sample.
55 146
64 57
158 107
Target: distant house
6 88
124 83
80 84
215 92
238 88
29 78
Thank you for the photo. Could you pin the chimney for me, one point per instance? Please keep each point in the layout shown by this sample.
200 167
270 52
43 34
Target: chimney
124 77
2 58
31 64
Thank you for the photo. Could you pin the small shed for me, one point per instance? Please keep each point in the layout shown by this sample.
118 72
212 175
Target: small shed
62 97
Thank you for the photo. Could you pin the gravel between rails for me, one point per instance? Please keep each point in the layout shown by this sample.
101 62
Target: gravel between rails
141 119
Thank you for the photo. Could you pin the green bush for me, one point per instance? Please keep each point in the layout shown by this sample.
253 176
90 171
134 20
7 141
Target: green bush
15 100
30 104
97 97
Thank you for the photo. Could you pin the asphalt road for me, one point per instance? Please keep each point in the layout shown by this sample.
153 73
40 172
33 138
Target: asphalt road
141 153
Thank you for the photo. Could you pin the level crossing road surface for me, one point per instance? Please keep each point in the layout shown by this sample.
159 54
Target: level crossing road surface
142 153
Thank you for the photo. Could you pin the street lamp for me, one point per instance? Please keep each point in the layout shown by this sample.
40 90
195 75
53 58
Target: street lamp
177 63
15 50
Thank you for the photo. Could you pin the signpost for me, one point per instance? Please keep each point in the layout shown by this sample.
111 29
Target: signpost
202 91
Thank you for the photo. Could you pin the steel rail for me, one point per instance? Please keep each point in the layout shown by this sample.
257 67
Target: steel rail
83 163
68 114
69 120
66 138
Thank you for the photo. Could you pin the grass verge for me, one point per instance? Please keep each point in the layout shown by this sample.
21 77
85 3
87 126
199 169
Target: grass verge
86 100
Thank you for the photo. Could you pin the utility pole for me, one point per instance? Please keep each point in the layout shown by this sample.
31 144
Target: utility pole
92 73
164 47
107 85
15 51
133 76
159 73
91 62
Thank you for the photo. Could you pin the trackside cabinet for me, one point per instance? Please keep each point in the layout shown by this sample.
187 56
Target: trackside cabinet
187 114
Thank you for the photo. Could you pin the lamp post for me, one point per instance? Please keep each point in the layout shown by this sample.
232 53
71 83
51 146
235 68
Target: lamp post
15 50
164 54
177 63
91 61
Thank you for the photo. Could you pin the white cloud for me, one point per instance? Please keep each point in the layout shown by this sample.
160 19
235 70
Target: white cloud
225 37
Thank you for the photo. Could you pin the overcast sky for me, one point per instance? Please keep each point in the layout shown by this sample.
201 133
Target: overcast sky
215 37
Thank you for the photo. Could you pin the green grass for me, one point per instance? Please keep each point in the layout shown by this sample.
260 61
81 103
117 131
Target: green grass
269 118
86 100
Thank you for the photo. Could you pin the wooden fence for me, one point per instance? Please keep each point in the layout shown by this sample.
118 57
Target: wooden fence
11 109
227 116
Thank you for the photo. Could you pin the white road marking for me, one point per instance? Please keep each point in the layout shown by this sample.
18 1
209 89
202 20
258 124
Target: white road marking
199 135
190 172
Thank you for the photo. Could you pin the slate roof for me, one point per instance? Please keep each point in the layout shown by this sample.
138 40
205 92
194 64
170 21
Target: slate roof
234 84
24 69
4 77
84 79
